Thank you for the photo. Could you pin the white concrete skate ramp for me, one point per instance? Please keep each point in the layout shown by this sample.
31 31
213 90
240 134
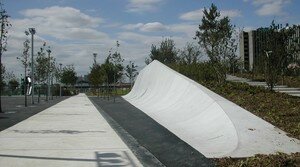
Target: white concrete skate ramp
208 122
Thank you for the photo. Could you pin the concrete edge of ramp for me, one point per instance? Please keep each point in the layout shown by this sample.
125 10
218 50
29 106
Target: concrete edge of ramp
208 122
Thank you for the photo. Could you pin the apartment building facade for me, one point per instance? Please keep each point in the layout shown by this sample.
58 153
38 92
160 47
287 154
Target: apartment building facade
252 44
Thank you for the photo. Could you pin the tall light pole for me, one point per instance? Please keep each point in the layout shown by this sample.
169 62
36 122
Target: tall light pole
115 93
32 32
48 77
95 63
60 79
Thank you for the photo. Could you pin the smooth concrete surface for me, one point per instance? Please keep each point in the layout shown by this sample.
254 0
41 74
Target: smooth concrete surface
208 122
70 133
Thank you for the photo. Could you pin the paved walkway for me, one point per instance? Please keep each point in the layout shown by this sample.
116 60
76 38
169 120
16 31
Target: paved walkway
277 88
70 133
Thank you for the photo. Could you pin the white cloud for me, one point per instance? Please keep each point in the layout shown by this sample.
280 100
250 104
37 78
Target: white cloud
270 7
75 37
62 16
197 15
231 13
155 26
59 26
143 5
147 27
133 26
188 30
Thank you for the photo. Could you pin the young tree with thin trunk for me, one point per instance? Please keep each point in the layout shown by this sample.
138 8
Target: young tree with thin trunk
214 35
5 24
25 62
131 72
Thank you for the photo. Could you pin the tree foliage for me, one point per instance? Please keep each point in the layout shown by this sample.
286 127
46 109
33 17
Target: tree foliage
41 63
5 25
44 68
2 82
13 84
25 55
131 71
277 56
190 54
68 76
97 75
214 36
114 67
166 52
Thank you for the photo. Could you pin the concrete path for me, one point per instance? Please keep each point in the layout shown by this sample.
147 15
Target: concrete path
278 88
71 133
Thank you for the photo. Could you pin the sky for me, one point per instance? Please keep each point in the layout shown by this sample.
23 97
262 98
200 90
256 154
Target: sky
75 29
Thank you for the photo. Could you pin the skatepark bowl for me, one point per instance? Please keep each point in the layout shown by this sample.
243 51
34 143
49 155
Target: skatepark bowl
206 121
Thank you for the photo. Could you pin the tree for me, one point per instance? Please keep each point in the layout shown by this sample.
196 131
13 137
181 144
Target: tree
276 53
41 65
213 35
294 50
24 61
2 82
3 42
230 53
43 68
97 75
190 54
68 76
131 72
13 84
166 53
117 62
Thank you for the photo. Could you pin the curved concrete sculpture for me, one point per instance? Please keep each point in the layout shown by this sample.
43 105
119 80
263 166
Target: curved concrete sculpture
208 122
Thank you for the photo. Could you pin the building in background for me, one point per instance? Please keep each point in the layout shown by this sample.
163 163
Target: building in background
252 44
247 49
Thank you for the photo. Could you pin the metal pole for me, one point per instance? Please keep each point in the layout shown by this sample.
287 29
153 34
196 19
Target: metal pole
130 75
51 84
32 32
60 79
48 78
25 87
114 87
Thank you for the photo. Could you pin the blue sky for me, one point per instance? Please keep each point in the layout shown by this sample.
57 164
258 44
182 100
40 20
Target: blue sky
75 29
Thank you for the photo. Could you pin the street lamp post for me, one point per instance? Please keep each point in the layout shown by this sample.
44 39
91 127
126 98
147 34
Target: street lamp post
32 32
60 79
48 77
51 76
